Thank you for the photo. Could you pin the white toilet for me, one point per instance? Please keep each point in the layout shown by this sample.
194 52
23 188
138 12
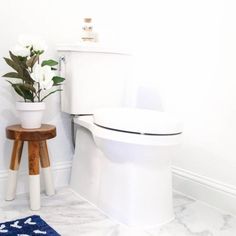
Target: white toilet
122 161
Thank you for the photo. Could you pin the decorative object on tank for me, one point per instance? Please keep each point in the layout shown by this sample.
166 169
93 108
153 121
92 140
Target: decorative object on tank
32 79
88 35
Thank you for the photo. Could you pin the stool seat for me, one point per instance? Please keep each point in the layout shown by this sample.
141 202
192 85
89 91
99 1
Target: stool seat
16 132
37 154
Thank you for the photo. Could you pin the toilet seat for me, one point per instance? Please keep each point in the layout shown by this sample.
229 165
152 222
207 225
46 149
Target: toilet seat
133 138
124 125
137 121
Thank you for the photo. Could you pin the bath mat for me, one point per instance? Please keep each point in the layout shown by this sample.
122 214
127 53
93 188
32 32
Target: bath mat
29 226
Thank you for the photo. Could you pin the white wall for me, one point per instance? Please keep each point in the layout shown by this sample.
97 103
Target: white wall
56 21
185 50
191 60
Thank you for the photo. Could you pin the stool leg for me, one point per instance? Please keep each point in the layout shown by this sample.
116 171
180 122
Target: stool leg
34 178
14 167
46 169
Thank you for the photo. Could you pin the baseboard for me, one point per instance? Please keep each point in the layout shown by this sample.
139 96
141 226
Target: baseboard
61 175
215 193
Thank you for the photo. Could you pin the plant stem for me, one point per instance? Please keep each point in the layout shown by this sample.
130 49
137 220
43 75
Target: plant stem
38 87
39 92
51 93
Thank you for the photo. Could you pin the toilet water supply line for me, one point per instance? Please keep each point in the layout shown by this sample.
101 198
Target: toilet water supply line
73 129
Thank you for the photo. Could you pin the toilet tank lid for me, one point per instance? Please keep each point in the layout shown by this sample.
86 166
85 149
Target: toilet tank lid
92 48
140 121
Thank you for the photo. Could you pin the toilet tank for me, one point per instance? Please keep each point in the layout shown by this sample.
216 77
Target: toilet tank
95 77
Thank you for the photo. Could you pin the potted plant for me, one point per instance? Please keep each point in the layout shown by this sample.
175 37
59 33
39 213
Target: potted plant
32 79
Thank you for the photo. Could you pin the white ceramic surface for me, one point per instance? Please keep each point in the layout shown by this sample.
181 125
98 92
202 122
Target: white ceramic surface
91 47
131 182
30 114
142 121
126 175
91 75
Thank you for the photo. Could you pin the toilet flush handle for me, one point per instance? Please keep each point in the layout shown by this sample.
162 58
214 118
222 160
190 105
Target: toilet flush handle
61 66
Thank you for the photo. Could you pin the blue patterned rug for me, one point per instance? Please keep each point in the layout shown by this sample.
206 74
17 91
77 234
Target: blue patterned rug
29 226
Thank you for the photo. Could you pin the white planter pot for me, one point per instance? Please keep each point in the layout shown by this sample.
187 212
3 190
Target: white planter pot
30 114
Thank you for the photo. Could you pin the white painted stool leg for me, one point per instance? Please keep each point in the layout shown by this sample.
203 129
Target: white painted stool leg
48 180
11 185
34 177
34 189
14 167
45 164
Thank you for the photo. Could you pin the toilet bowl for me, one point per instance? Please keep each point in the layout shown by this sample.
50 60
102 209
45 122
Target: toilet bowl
134 184
122 160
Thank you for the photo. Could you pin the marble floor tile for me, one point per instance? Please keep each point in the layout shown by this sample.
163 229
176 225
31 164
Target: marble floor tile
72 216
195 218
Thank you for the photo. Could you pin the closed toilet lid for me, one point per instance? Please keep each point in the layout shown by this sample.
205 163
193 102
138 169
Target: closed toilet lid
140 121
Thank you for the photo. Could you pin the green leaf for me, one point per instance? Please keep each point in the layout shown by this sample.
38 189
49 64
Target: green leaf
21 61
57 80
30 62
12 75
27 77
25 86
49 63
57 90
26 94
28 87
13 65
14 58
24 90
20 68
9 82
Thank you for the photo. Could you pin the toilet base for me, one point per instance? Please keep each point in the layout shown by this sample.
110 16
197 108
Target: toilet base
135 194
147 227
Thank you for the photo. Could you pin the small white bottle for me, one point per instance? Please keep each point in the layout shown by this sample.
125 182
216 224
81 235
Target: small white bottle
87 34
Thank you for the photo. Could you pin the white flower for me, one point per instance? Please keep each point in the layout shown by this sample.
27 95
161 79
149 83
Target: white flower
39 45
32 41
18 50
25 40
43 75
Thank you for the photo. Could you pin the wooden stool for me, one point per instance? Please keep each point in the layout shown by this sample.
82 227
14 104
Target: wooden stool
37 151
